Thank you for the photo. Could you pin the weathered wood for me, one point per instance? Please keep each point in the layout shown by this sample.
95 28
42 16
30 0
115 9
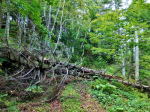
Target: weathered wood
91 72
64 68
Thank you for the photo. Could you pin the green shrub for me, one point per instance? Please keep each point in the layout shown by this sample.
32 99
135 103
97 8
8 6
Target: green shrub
118 97
35 89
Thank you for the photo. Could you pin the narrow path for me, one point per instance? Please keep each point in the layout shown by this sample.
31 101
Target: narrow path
74 98
77 99
89 104
56 106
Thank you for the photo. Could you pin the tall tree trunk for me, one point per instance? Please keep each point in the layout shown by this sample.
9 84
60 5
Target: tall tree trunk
56 17
48 24
8 23
24 29
44 9
60 28
20 30
123 64
136 57
119 32
0 14
49 18
132 54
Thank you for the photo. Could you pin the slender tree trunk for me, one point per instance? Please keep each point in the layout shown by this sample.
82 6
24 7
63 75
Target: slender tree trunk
132 54
8 23
24 29
119 32
45 9
60 28
122 54
49 18
136 57
56 17
48 24
20 30
0 14
123 64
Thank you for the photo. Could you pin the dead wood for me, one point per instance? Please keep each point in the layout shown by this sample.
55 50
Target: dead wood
30 72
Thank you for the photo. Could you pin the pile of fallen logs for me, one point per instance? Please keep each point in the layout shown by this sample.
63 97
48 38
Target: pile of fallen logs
31 69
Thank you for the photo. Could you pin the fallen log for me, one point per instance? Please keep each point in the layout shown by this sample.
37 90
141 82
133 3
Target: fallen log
60 68
87 73
139 86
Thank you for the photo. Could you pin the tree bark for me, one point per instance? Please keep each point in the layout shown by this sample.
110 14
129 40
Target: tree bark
60 28
49 18
0 14
136 57
74 70
123 64
48 25
8 23
56 17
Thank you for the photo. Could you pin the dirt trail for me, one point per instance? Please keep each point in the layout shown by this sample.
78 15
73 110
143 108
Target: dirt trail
56 106
89 104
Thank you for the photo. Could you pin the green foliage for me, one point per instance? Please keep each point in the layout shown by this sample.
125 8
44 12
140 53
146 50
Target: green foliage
2 60
111 69
74 58
86 62
35 89
145 61
2 33
3 99
71 101
51 2
103 86
3 96
97 63
31 8
118 97
12 106
95 32
4 102
100 63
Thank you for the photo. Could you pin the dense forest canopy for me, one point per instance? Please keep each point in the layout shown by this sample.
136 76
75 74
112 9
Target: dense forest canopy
41 38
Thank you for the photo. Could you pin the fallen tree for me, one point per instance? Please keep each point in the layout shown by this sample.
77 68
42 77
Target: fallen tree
25 69
88 73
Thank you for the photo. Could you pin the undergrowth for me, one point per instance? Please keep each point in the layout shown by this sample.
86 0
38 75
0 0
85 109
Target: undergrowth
111 69
116 97
10 104
71 101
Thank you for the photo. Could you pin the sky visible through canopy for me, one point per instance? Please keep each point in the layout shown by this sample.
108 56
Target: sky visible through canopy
126 3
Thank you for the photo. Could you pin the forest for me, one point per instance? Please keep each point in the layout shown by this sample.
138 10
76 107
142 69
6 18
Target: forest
74 55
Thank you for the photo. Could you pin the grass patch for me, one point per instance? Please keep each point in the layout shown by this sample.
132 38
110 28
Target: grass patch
71 101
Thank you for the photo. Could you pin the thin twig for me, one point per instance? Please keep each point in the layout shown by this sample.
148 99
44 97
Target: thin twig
26 73
17 73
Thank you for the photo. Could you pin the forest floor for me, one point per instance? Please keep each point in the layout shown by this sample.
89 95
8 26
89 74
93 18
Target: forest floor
84 96
73 98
